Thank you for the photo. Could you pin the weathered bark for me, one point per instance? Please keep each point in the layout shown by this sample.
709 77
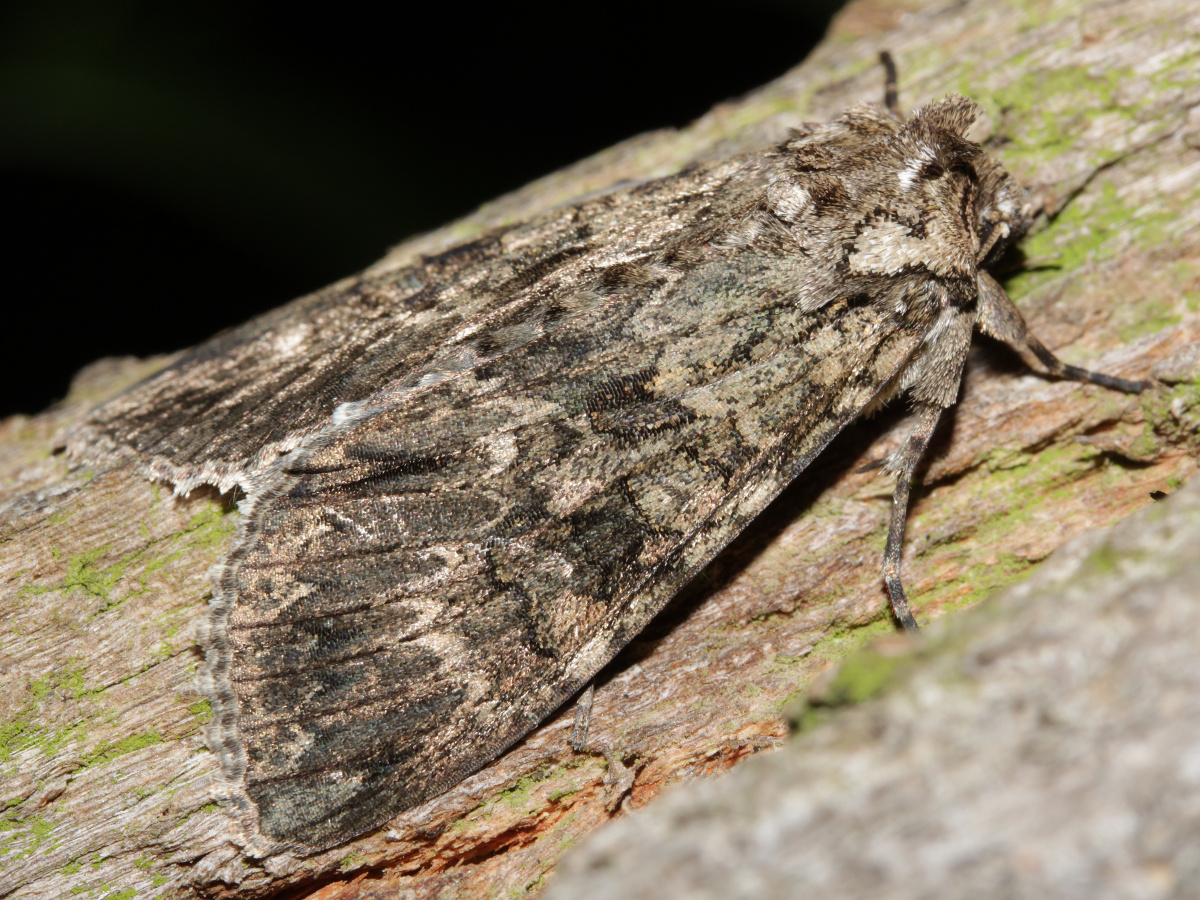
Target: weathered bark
105 776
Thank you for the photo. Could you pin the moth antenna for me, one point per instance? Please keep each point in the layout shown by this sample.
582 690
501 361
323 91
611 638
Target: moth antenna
891 95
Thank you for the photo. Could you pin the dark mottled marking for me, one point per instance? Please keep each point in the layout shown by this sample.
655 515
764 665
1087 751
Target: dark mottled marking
829 195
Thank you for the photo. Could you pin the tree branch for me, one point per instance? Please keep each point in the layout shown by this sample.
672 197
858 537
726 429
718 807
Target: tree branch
105 776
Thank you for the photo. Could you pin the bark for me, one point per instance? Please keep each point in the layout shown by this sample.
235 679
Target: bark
104 772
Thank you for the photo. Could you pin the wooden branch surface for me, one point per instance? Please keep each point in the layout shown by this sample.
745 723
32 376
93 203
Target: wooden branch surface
104 772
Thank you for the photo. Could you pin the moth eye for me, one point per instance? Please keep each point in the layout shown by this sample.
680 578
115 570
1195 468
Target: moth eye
985 233
995 232
932 170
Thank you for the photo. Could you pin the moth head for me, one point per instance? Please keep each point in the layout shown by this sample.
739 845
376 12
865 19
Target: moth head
878 197
902 197
973 189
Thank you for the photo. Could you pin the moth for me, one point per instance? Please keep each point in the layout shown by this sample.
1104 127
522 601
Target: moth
469 482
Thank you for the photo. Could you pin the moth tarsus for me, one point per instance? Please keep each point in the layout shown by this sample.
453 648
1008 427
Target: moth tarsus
470 481
1055 366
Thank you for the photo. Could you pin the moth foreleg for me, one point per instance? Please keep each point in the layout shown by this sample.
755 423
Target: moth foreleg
583 717
997 317
904 463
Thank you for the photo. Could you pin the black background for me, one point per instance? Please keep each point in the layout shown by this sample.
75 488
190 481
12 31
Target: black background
170 169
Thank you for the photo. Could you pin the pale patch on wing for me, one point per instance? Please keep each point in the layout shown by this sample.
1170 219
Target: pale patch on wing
789 200
345 413
887 248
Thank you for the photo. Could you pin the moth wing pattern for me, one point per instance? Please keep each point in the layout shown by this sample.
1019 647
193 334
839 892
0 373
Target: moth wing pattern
453 568
259 390
460 514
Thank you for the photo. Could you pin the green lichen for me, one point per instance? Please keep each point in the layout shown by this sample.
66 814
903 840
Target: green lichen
201 710
561 794
71 679
1103 560
1054 105
110 750
92 573
865 672
519 795
98 581
1026 484
33 831
40 829
783 664
1172 418
842 641
209 807
1018 487
523 795
985 578
1156 315
836 647
980 580
863 675
1084 232
19 732
210 527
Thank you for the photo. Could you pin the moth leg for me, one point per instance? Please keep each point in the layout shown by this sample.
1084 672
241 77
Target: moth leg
583 717
891 95
999 318
904 462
